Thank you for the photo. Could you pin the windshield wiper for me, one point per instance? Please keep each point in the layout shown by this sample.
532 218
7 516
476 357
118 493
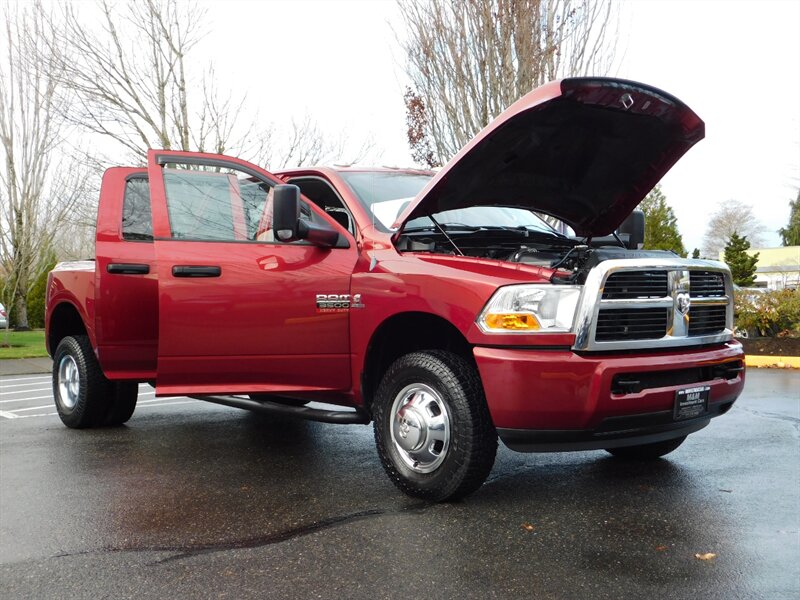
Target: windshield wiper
522 230
442 227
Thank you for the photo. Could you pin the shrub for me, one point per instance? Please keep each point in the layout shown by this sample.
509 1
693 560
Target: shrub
769 313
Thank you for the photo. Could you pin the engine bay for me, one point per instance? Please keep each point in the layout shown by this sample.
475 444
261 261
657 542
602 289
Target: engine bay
572 258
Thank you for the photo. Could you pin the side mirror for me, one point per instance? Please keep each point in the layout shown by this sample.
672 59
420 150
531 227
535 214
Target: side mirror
286 212
288 225
633 229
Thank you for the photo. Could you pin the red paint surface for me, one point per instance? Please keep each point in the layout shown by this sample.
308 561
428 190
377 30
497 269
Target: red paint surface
535 389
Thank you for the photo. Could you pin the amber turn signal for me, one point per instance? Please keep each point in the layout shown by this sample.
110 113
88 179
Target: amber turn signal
511 322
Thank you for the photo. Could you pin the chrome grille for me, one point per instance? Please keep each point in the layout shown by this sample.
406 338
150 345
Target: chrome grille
635 284
706 284
654 303
704 320
631 324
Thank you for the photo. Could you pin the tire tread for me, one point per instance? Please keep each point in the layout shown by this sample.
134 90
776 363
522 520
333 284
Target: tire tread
479 438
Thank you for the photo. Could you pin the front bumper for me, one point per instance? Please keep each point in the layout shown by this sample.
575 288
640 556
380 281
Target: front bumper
553 400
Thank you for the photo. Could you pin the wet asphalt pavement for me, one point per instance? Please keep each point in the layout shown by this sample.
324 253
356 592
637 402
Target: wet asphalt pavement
193 500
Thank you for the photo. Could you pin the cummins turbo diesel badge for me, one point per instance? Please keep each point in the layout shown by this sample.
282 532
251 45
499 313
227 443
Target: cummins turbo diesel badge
338 302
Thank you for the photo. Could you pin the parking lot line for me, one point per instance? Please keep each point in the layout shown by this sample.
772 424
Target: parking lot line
25 391
42 377
52 414
16 385
170 403
26 398
19 410
20 399
36 415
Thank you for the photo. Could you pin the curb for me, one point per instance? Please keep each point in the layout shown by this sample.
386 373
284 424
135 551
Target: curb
780 362
25 366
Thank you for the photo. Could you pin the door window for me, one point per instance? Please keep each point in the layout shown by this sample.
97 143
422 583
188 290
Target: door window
137 221
321 193
214 203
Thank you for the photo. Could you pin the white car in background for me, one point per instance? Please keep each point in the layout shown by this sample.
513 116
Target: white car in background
3 317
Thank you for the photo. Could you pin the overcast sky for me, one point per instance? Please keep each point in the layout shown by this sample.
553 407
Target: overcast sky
737 64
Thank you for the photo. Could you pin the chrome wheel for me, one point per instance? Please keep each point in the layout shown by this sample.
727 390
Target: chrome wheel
420 427
69 383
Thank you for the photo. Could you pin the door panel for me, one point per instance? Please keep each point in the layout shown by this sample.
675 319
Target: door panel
126 310
238 314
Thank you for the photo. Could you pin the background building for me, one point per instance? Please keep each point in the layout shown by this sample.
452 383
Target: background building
777 268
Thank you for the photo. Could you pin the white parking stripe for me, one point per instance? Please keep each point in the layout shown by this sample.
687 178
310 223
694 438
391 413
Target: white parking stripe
16 385
36 415
42 377
34 398
170 403
19 410
25 391
50 397
155 400
22 399
52 414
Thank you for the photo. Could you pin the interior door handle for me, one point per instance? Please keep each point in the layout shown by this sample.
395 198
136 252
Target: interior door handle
128 268
196 271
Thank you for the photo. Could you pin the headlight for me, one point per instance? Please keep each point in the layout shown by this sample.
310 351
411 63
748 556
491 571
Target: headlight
530 308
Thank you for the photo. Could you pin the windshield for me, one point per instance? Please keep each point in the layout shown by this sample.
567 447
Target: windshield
386 194
483 216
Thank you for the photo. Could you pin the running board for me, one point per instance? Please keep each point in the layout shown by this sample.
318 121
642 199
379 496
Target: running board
345 417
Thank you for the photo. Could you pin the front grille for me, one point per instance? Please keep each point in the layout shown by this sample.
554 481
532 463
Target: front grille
628 285
705 320
652 304
631 324
706 284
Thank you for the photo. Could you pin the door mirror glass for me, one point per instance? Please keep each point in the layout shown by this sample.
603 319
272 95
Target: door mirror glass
289 226
286 212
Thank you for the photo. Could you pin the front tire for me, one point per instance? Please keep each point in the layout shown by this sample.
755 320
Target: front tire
81 391
433 431
646 451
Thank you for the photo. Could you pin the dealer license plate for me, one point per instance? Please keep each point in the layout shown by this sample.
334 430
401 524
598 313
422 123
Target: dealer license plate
691 402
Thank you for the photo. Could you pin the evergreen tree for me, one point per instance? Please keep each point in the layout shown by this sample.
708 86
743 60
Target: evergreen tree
696 253
742 265
791 233
660 225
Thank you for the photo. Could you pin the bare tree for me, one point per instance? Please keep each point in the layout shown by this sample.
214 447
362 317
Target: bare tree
732 217
304 143
39 186
133 82
470 59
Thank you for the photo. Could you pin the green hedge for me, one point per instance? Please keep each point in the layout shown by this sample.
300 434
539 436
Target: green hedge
36 299
771 314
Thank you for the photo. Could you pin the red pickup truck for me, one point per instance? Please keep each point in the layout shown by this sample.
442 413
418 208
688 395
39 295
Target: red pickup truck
505 295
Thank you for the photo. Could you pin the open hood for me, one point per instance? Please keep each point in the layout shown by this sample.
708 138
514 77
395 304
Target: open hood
584 150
